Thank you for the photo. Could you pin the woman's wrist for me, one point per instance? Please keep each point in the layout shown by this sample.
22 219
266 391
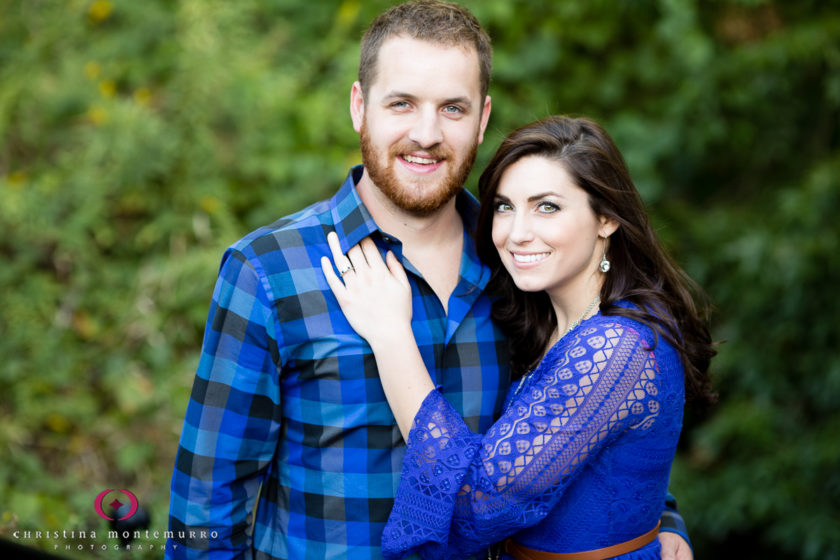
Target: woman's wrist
392 336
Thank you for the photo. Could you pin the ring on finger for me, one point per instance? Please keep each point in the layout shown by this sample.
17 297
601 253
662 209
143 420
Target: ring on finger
345 270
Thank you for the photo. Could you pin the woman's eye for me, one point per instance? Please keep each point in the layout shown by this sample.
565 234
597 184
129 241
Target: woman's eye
503 206
547 207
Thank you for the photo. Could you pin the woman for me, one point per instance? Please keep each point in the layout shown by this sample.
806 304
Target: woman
607 341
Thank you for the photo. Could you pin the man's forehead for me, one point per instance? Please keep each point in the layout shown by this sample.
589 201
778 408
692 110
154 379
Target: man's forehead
403 39
404 62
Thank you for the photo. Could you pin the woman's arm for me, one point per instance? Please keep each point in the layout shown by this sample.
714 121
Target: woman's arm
375 297
461 491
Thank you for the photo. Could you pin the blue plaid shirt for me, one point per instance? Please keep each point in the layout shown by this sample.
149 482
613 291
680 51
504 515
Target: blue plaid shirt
287 403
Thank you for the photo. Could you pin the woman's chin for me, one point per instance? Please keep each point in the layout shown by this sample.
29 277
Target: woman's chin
527 286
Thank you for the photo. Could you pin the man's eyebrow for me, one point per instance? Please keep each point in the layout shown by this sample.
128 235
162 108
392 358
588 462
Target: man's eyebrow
400 94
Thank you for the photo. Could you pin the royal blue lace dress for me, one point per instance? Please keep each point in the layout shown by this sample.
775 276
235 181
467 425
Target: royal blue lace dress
579 460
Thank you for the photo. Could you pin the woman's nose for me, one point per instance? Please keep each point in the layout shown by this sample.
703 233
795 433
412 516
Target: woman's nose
520 228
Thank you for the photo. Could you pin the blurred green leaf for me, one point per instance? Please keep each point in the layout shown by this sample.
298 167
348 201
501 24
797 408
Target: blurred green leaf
139 139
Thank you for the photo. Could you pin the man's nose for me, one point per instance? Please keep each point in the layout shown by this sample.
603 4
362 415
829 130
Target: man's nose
426 131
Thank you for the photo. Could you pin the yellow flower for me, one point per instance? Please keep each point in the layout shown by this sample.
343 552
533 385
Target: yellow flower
58 423
107 88
100 10
93 69
16 179
209 204
142 96
84 325
348 12
97 115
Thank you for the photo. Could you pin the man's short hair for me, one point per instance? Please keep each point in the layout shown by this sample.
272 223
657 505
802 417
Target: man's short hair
444 23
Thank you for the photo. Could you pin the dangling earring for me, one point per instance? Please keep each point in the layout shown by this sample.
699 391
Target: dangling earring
604 265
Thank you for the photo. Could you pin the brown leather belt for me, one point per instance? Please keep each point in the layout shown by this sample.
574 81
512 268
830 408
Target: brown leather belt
523 553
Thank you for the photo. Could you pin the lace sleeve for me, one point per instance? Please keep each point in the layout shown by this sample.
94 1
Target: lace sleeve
460 491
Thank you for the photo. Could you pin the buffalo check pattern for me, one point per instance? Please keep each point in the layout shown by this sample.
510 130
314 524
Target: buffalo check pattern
289 448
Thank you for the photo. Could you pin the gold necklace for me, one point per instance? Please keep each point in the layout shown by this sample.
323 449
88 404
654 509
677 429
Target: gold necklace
568 330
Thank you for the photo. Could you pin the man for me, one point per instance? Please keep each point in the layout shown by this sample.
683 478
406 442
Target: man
289 448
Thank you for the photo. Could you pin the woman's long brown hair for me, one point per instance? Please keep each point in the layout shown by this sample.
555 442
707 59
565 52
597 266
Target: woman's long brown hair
663 296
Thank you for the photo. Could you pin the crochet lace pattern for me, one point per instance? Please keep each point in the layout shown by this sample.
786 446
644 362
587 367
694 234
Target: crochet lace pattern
596 396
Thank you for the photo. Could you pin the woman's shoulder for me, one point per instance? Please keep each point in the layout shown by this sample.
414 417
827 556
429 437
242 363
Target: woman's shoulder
619 347
651 341
613 323
615 318
610 327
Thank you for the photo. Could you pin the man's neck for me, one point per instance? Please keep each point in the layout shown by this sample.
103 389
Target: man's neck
437 229
433 243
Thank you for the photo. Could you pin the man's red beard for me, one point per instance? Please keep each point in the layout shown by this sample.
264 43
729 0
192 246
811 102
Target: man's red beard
406 196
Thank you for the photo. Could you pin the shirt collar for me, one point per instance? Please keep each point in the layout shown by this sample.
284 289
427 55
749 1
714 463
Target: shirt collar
353 223
351 217
472 269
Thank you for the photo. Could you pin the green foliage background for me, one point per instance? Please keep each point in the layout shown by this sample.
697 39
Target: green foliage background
138 139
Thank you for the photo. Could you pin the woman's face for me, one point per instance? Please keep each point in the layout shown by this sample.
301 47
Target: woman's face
545 230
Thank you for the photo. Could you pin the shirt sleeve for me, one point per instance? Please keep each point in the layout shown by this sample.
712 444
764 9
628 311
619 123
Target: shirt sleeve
672 521
232 423
461 492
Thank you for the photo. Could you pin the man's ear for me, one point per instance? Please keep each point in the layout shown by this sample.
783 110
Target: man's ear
485 118
357 106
